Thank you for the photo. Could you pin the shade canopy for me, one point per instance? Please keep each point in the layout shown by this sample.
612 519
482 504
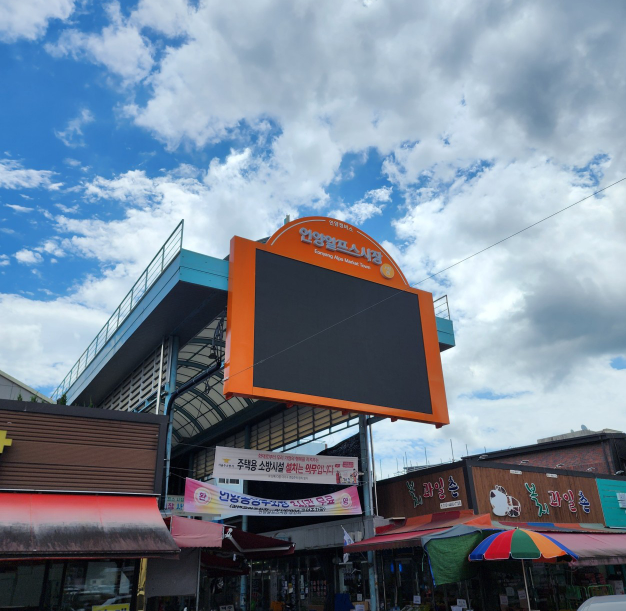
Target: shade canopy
410 532
594 549
82 526
195 533
188 532
520 544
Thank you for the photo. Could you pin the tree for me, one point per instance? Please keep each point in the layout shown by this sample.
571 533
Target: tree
62 400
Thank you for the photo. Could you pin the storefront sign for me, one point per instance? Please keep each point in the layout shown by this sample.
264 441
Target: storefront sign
422 493
274 466
557 499
450 504
204 498
175 504
613 500
4 441
535 497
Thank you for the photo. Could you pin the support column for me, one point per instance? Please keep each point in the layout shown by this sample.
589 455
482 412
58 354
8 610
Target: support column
169 410
367 501
141 585
243 591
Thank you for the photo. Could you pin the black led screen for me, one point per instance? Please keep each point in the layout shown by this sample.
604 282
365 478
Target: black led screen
372 355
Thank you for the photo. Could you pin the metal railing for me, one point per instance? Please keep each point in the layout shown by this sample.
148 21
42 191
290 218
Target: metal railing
166 254
441 307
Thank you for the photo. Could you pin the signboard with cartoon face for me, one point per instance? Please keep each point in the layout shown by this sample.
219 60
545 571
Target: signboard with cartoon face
513 493
417 494
321 315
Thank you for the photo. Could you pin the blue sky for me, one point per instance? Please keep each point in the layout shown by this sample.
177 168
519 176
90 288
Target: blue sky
438 129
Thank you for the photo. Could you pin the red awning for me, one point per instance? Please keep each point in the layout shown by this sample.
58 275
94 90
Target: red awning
188 532
82 526
255 547
195 533
410 532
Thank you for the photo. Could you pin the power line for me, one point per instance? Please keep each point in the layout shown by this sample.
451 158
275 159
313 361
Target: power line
399 291
521 231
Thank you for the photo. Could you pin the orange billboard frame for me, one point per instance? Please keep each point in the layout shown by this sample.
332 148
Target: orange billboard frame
340 247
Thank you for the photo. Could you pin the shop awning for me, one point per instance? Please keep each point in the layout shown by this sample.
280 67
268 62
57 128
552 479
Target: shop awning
188 532
195 533
555 526
82 526
410 532
594 549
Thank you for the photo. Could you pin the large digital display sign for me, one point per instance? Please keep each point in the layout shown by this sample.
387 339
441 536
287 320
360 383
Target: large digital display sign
321 315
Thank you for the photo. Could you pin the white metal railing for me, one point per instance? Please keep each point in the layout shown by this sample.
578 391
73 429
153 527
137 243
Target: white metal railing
441 307
166 254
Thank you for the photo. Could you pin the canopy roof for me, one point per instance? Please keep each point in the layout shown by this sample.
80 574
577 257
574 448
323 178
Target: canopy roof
189 533
410 532
82 526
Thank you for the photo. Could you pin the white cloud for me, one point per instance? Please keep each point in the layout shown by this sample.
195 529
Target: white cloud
371 205
120 47
29 18
4 260
18 208
14 176
68 209
38 330
28 257
488 116
72 135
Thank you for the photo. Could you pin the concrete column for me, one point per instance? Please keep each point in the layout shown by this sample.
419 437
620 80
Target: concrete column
367 501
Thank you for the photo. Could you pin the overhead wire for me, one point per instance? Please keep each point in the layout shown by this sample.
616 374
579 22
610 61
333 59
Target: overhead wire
400 291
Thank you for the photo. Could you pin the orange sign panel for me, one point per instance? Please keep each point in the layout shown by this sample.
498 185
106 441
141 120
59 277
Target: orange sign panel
321 315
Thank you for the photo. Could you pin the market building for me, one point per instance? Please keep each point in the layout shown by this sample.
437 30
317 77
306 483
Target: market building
163 352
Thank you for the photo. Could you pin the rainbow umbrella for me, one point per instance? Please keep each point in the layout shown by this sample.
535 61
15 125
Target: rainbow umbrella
520 544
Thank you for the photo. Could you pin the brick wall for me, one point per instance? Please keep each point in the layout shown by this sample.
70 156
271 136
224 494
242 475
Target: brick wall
575 458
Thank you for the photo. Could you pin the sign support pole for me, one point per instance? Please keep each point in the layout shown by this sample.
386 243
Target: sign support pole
169 410
243 586
367 500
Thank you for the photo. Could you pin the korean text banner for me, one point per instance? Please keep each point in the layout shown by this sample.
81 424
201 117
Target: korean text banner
274 466
204 498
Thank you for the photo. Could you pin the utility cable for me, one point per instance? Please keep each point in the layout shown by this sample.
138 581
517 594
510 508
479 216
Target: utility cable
399 291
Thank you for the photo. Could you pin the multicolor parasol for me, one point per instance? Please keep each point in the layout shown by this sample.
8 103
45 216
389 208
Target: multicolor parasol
520 544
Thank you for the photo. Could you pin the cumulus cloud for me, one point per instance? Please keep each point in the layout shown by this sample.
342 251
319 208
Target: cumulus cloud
486 118
42 327
29 18
14 176
72 135
120 47
371 205
4 260
28 257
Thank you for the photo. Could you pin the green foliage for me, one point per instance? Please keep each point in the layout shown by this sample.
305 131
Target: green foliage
19 397
62 400
33 399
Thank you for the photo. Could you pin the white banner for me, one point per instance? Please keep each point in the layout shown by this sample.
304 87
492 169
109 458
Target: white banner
274 466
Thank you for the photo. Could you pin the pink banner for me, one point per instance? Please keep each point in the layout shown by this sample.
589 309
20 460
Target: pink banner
204 498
